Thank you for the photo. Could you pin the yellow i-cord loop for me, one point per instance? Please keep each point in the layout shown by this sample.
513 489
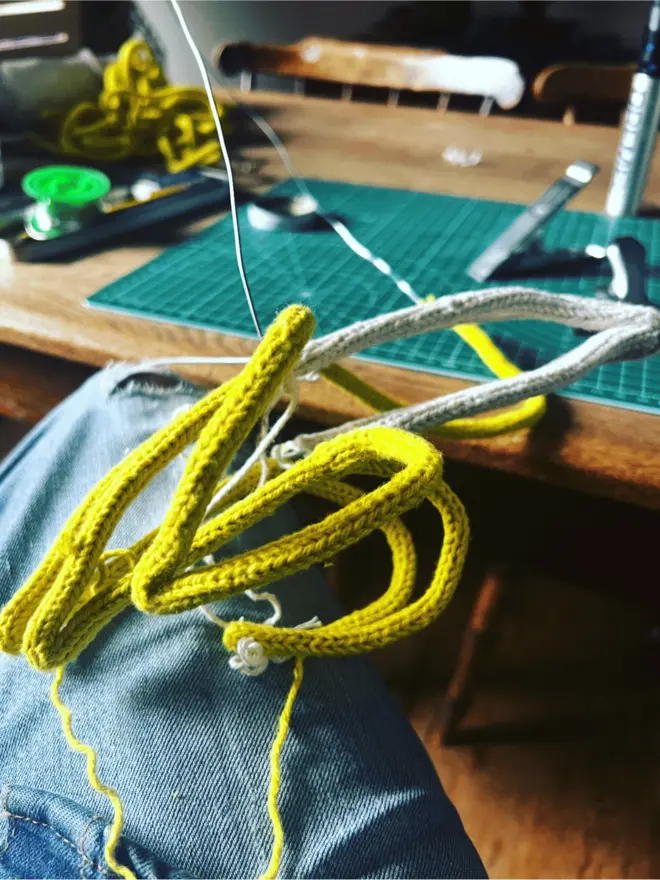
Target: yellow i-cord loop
523 415
80 585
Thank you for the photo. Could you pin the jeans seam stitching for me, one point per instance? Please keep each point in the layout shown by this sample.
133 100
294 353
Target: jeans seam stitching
73 846
10 830
81 845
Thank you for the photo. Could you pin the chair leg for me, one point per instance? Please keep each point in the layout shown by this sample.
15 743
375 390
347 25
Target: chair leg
472 648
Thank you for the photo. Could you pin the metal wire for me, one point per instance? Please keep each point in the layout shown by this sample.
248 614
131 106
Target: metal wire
225 155
340 228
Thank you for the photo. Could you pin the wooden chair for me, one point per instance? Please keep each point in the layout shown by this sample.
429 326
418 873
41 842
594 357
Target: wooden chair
574 87
392 68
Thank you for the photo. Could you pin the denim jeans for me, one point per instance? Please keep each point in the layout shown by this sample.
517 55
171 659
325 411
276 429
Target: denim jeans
183 738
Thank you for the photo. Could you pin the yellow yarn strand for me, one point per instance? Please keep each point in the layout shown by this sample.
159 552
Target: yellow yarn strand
275 773
523 415
92 776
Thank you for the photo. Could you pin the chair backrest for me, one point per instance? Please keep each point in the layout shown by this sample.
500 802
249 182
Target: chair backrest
395 68
572 86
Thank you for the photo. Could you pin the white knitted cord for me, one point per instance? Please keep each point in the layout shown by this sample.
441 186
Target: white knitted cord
625 331
473 307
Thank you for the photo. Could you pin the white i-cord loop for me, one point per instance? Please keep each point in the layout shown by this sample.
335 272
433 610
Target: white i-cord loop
622 332
474 307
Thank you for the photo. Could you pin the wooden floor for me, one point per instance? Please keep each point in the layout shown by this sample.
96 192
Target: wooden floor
560 776
566 780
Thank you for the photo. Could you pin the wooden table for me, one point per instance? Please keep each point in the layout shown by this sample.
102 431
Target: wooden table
602 450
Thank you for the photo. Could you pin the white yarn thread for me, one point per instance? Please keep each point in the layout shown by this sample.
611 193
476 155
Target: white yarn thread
249 658
212 616
274 602
259 454
261 447
255 597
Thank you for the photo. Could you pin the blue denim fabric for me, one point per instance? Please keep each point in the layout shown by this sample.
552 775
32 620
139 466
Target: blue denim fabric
182 737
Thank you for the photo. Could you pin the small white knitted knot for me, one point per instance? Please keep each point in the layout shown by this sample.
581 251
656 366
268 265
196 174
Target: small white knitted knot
249 658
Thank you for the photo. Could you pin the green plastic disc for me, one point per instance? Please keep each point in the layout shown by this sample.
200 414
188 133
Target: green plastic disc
66 185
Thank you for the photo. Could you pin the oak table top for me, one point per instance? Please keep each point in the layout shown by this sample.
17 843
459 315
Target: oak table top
595 448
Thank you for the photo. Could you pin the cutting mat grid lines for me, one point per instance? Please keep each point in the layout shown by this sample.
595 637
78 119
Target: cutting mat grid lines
429 240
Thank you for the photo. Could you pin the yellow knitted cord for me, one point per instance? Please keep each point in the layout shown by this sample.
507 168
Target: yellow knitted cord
46 619
414 468
80 585
138 113
92 776
524 415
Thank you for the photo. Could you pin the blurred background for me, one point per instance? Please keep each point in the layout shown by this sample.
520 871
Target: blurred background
533 33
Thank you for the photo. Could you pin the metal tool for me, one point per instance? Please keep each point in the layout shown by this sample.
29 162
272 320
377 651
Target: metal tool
526 228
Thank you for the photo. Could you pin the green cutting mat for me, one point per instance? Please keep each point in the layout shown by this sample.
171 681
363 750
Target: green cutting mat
429 240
